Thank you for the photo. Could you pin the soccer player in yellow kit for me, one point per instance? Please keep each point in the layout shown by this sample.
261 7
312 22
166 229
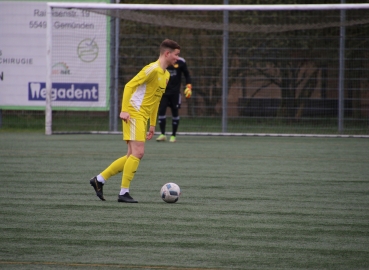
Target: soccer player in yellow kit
141 99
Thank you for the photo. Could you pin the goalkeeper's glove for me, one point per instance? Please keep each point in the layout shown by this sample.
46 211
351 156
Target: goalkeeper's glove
188 91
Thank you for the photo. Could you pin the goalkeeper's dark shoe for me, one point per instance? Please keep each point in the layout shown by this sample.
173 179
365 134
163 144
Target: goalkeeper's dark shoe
98 187
126 198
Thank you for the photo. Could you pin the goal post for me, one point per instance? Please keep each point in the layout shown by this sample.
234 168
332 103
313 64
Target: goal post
179 7
284 73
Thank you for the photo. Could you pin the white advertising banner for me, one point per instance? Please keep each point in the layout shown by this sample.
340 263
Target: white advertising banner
79 58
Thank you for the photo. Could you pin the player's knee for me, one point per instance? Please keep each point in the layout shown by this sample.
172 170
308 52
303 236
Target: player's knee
138 153
137 149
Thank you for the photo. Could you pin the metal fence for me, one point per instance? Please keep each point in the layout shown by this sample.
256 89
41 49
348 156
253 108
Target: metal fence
287 71
271 71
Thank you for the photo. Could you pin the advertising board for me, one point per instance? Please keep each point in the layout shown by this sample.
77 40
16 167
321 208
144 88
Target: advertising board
79 57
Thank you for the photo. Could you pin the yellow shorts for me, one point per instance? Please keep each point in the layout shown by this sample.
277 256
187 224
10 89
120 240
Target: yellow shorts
135 130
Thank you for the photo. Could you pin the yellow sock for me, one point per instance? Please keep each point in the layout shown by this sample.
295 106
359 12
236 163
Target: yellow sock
130 169
114 168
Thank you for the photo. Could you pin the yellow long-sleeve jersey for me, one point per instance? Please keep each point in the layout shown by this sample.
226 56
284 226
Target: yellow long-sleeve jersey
142 94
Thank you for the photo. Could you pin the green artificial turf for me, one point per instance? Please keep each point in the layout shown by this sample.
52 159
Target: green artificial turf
247 203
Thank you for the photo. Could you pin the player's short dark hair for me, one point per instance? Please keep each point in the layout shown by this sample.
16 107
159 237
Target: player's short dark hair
169 44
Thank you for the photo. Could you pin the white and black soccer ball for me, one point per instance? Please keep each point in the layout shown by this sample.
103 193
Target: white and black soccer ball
170 192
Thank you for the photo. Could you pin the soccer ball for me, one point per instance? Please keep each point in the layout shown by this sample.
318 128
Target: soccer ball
170 192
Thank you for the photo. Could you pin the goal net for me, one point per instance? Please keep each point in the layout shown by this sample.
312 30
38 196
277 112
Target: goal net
255 69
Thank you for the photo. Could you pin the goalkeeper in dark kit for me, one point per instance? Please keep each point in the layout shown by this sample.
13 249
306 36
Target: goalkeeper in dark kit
172 98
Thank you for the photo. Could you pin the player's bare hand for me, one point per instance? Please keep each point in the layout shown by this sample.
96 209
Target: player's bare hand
151 132
124 116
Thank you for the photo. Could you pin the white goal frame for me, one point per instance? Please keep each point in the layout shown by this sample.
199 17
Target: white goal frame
51 5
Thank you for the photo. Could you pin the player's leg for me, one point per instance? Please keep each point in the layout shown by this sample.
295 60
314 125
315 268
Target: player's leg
114 168
97 182
175 102
135 134
131 166
162 119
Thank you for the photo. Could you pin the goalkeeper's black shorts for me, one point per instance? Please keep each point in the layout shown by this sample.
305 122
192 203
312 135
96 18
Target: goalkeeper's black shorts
172 101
